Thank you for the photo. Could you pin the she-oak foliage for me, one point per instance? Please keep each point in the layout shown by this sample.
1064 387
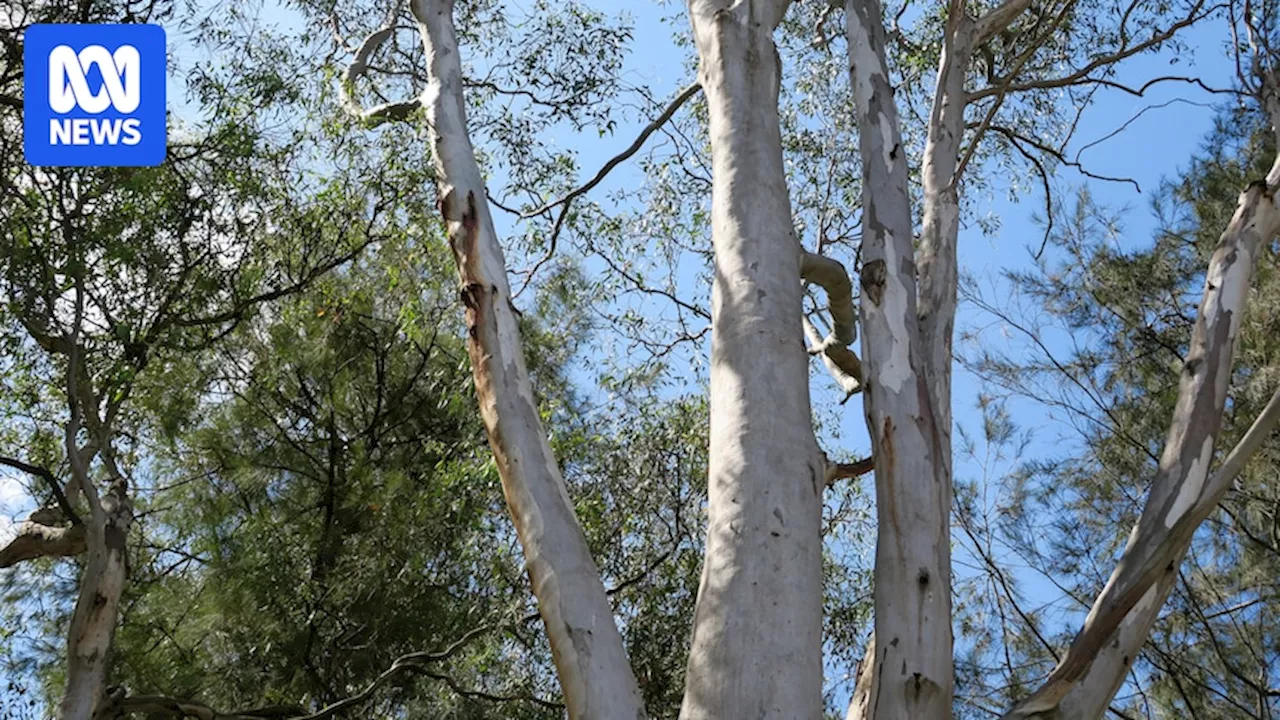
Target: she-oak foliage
243 390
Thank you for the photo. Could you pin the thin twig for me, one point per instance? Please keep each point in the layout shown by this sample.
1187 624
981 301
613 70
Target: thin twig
565 202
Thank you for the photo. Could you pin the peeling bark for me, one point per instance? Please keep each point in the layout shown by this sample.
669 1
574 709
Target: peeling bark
909 672
36 540
757 638
93 623
1182 493
595 676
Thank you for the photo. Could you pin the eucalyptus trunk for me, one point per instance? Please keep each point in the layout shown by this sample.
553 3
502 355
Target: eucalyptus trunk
908 670
1183 492
594 672
93 623
757 637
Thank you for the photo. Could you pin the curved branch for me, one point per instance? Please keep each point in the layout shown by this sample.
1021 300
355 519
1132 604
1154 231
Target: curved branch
378 114
831 276
842 363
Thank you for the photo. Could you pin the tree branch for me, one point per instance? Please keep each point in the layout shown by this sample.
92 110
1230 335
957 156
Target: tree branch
1015 138
999 18
378 114
831 276
599 177
35 540
843 364
1002 91
51 480
847 471
457 688
1082 75
631 149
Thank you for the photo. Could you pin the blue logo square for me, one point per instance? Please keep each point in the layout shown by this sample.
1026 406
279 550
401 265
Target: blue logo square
94 95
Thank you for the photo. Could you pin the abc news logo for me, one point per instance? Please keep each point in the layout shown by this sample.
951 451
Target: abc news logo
94 95
69 88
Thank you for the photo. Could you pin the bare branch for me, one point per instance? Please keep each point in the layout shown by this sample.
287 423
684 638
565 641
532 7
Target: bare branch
1141 90
1015 138
631 149
35 540
1133 119
77 410
599 177
1043 174
847 471
999 18
378 114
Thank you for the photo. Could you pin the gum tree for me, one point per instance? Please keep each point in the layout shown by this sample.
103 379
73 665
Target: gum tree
756 641
1008 79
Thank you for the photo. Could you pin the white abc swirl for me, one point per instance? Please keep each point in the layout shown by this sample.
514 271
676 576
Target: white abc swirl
68 86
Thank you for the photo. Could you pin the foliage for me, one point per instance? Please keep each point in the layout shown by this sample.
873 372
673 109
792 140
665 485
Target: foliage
1129 310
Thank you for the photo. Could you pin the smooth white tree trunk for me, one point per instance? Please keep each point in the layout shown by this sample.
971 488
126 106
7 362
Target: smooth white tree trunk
757 638
594 672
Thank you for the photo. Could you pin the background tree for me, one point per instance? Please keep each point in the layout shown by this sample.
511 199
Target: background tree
1207 656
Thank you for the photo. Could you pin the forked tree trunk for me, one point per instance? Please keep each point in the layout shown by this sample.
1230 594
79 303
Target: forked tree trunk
93 623
757 637
594 673
908 672
907 341
1183 493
